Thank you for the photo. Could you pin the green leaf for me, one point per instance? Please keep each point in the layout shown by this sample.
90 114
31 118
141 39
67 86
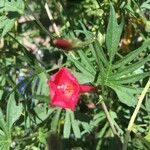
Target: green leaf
5 142
113 34
2 84
43 88
99 53
13 111
3 124
97 119
75 126
145 5
96 54
1 132
3 20
42 136
67 125
12 6
131 68
85 61
83 78
6 25
126 95
55 120
2 3
147 137
84 31
86 127
41 98
147 105
131 56
100 58
82 68
43 113
132 78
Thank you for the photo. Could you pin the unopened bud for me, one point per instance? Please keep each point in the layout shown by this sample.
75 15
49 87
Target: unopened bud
68 44
62 43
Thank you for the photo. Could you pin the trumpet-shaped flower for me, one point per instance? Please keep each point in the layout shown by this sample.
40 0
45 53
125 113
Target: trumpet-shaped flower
65 89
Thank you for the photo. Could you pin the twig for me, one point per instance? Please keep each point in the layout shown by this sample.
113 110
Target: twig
133 117
109 118
52 19
110 121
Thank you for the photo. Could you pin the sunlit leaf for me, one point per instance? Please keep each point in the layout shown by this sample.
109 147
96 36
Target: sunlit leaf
55 120
113 33
13 111
12 6
75 126
67 125
131 56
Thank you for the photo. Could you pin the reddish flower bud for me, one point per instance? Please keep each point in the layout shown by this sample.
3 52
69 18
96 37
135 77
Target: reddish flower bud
68 44
65 89
62 43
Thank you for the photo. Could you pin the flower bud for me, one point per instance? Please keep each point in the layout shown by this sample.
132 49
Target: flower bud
62 43
67 44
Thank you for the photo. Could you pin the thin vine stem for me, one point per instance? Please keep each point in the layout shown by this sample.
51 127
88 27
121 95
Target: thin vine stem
108 118
110 121
134 115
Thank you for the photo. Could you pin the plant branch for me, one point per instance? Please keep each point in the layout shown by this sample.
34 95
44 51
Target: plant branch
108 117
133 117
52 19
110 121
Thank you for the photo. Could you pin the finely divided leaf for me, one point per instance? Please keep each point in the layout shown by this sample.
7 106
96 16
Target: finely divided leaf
132 78
13 6
85 61
82 68
131 56
131 68
113 34
99 56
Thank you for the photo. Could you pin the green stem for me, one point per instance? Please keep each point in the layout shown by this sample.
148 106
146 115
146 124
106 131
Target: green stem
110 121
133 117
108 117
27 138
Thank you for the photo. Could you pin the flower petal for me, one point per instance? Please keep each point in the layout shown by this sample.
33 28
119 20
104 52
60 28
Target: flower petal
86 88
65 102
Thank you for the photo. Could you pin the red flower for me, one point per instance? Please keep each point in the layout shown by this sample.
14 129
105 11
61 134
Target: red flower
65 89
